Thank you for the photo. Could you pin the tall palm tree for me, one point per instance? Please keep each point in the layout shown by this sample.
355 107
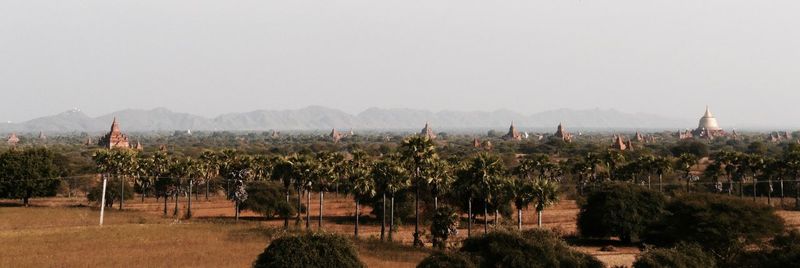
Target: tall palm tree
303 173
419 152
363 186
439 178
282 171
118 163
210 163
390 177
466 186
613 159
487 171
544 193
756 164
661 165
685 163
326 168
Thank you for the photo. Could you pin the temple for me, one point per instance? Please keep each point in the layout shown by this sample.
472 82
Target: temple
513 134
335 136
114 138
42 136
427 131
708 126
563 134
12 140
619 144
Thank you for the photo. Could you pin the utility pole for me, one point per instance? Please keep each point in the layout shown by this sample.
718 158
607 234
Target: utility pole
103 200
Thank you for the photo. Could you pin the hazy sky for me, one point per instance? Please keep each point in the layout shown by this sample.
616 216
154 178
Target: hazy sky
667 57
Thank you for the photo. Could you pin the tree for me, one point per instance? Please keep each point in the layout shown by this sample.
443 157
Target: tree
283 171
30 173
521 189
444 225
419 152
361 181
544 193
325 170
782 251
117 163
390 177
486 171
446 260
619 209
682 255
265 198
685 163
722 225
662 165
210 166
532 248
309 250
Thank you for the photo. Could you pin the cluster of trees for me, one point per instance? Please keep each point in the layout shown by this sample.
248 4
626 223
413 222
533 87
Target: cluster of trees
30 173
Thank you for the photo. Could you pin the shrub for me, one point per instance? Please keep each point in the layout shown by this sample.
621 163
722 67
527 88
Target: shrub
267 199
619 209
445 224
446 260
536 248
309 250
112 192
722 225
783 251
681 256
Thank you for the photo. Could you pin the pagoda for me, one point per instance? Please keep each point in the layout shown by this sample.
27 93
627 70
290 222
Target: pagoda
42 136
12 140
513 134
708 126
335 135
476 143
619 144
427 131
114 138
638 137
563 134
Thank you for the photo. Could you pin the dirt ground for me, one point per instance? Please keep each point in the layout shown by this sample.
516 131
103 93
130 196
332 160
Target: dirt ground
65 230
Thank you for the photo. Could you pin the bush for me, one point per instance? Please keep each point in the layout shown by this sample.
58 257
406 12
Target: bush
446 260
619 209
722 225
112 192
445 224
267 199
537 248
783 251
309 250
681 256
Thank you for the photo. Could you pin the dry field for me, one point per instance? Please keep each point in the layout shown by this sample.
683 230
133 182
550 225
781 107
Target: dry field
64 232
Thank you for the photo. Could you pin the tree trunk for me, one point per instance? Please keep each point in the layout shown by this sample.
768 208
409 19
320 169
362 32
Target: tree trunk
769 192
286 217
539 218
417 240
496 221
519 219
189 201
648 181
660 184
391 218
782 192
237 209
308 209
356 226
485 217
299 206
755 182
165 204
436 202
383 218
207 181
321 205
469 218
741 188
26 200
122 191
175 212
144 192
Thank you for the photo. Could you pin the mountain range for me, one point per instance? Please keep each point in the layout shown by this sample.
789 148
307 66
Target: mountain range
322 118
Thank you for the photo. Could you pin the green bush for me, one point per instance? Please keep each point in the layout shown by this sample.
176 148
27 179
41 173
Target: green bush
445 224
530 249
446 260
112 192
619 209
782 251
724 226
267 199
309 250
681 256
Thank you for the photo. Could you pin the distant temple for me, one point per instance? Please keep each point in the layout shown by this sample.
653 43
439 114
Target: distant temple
708 127
42 136
619 144
114 138
12 140
335 135
139 146
638 137
563 134
476 143
513 134
275 134
427 131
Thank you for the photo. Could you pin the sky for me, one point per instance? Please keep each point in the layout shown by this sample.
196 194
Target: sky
665 57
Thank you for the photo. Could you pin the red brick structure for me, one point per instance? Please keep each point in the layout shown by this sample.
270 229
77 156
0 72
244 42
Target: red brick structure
428 132
563 134
12 140
114 138
513 134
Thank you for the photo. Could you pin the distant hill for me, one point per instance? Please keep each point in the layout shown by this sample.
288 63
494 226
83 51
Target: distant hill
322 118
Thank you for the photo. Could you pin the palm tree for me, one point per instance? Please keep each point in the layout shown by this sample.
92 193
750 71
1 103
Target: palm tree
326 167
792 164
363 186
439 178
592 161
613 159
390 177
419 152
466 186
282 171
662 165
545 194
210 163
487 171
119 163
755 163
303 173
685 163
521 187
